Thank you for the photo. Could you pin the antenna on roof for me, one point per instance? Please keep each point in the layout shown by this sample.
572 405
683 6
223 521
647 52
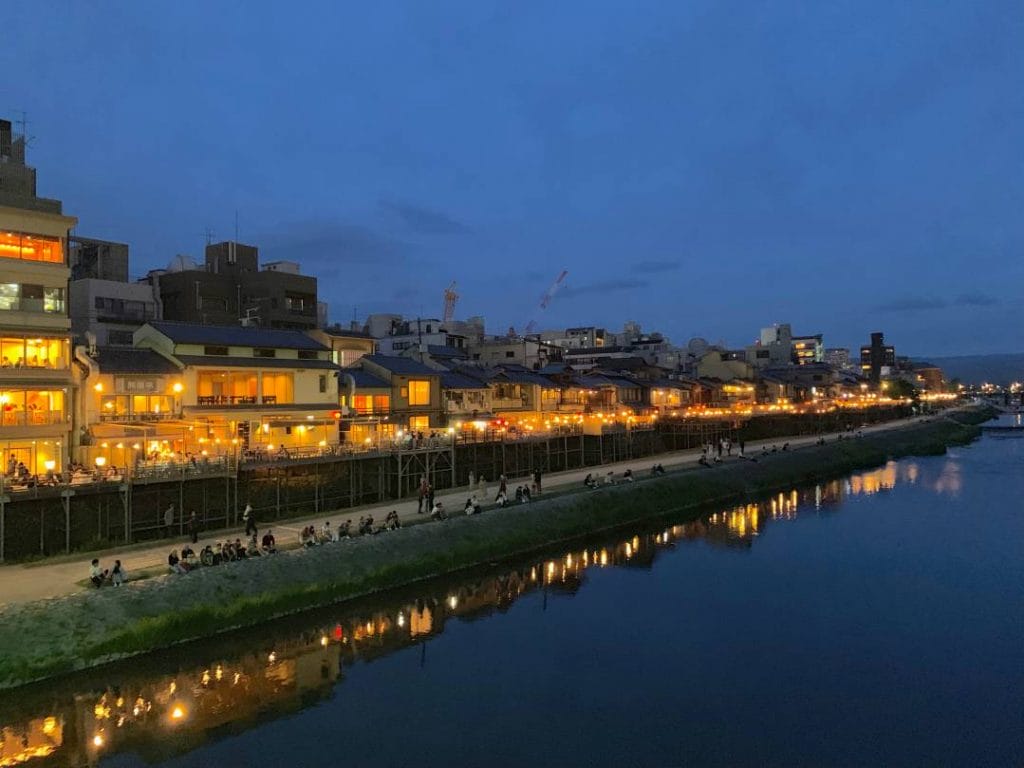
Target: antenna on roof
208 234
25 138
236 225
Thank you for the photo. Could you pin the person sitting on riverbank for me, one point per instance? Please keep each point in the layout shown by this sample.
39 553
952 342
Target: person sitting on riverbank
97 575
527 496
366 525
628 475
519 494
785 446
391 522
118 576
241 551
269 543
501 500
471 507
589 481
658 470
188 558
174 563
326 534
438 512
307 538
345 530
609 478
252 549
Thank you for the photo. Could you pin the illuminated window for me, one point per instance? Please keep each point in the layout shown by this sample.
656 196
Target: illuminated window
278 388
18 245
33 353
419 423
31 407
419 393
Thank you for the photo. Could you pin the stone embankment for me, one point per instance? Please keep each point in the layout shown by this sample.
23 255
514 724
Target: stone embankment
49 638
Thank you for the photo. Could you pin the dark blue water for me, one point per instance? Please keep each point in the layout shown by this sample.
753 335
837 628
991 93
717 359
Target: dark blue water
873 621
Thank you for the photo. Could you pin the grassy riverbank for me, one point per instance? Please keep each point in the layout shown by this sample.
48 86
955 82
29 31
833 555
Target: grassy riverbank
49 638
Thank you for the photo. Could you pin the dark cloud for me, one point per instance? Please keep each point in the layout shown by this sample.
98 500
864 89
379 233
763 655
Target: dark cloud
927 304
332 242
655 267
424 221
976 300
912 304
602 286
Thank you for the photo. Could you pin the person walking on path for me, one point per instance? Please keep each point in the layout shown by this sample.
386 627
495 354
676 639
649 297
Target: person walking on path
536 481
430 496
193 527
169 520
250 521
502 488
743 447
424 486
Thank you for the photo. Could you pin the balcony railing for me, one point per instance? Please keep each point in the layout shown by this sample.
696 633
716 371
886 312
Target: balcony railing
147 416
235 400
31 418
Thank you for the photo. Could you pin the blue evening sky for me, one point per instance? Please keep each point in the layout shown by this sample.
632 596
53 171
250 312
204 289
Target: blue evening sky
705 168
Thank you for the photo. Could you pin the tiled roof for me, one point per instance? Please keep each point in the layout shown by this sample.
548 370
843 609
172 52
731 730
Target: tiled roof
523 376
452 380
403 366
234 336
129 360
365 380
218 361
439 350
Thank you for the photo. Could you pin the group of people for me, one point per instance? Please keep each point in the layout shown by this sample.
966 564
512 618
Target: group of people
227 551
98 576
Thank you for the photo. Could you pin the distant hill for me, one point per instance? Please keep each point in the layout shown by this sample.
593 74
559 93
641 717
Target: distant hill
974 369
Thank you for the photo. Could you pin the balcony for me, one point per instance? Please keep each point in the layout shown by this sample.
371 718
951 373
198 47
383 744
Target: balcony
235 400
31 418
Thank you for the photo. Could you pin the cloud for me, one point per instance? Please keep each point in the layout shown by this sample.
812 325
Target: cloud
332 242
424 221
976 300
927 304
602 286
655 267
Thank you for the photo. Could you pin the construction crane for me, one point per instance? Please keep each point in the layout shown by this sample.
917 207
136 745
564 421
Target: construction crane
546 298
450 299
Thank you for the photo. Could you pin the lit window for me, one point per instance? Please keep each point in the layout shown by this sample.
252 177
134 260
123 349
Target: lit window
419 393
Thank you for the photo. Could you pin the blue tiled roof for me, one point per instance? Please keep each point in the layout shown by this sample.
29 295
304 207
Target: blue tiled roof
450 380
524 376
365 380
223 361
403 366
234 336
129 360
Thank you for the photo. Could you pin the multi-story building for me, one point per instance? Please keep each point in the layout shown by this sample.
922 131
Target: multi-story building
111 311
415 401
267 389
346 345
838 357
420 333
35 354
808 350
93 259
878 358
528 351
231 289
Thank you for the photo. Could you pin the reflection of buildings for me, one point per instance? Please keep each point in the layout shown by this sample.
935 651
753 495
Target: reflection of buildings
287 673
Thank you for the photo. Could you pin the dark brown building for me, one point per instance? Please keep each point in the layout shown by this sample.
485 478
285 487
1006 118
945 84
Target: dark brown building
231 289
876 356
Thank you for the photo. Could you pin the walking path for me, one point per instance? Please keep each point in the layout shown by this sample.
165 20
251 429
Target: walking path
56 578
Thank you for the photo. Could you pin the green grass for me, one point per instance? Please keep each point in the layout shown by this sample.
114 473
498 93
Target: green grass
54 637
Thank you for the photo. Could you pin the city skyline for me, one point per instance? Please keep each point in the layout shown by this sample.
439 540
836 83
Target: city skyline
688 166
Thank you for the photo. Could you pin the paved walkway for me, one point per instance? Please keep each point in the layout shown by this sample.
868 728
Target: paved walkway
37 581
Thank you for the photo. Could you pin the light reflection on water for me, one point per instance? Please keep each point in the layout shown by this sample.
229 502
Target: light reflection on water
162 714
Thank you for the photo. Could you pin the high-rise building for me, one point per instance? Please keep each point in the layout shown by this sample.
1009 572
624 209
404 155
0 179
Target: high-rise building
231 289
877 359
35 354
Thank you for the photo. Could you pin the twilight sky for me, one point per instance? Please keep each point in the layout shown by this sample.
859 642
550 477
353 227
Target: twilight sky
705 168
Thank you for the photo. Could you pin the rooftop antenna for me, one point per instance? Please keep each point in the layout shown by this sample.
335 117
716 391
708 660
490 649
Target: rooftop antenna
26 139
208 234
236 225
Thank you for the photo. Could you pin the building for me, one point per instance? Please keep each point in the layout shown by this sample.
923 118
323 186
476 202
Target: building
724 365
575 338
877 359
405 335
231 289
528 351
35 342
808 350
111 311
93 259
928 377
415 401
346 345
265 389
839 358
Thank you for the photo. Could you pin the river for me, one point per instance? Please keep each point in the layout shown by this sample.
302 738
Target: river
873 620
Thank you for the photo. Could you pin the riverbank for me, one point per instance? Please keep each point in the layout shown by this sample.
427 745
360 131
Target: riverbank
46 639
